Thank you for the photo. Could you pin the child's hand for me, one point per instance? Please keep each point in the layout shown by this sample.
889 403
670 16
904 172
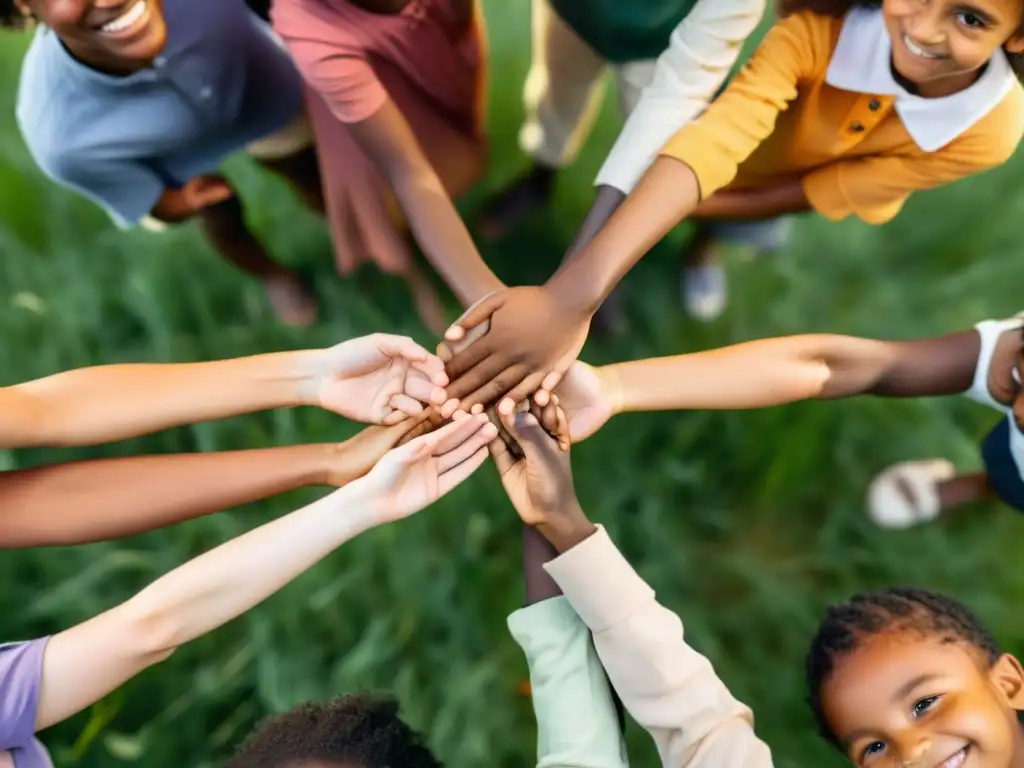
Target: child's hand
415 475
589 396
355 457
532 338
539 484
376 379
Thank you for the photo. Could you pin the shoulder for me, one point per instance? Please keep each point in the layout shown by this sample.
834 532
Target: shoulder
994 139
47 104
21 672
315 29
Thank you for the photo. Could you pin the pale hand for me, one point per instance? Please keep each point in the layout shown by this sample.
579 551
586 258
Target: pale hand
589 398
539 485
378 379
359 454
417 474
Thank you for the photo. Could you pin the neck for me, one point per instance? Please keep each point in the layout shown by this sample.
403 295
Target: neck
102 62
936 89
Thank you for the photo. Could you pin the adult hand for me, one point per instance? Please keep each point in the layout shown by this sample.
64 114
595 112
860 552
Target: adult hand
423 470
539 484
377 379
532 339
205 191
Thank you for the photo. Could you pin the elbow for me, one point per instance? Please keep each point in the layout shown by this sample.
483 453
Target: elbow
150 636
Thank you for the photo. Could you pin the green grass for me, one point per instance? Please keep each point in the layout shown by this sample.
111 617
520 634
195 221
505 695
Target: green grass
747 524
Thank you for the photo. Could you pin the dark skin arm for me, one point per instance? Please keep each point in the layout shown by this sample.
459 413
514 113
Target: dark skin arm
536 332
606 202
753 204
86 501
391 146
536 552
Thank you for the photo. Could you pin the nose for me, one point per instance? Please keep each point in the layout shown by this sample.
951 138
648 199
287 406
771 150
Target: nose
917 752
925 24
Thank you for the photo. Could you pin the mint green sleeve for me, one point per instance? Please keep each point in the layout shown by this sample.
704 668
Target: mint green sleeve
577 724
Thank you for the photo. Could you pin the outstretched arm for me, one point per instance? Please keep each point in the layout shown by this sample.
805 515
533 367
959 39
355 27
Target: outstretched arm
379 378
85 663
85 501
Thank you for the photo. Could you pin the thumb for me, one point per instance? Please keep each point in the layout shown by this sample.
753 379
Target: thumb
476 314
401 346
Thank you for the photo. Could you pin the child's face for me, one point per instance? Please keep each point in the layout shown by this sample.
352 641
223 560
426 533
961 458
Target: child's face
902 700
108 32
939 45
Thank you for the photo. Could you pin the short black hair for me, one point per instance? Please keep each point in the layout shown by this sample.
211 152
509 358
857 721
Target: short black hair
355 731
900 609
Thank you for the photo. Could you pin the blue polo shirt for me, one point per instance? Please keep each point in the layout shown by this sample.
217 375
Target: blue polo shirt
221 82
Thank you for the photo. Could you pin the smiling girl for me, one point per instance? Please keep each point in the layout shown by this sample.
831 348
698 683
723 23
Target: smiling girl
846 108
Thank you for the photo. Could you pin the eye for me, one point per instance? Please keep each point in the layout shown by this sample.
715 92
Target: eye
971 20
873 749
923 705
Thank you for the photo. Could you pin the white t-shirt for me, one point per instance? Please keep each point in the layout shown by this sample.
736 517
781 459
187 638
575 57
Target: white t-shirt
990 331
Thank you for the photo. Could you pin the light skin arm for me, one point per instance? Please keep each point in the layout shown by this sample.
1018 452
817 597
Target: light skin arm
114 402
87 662
86 501
379 379
391 146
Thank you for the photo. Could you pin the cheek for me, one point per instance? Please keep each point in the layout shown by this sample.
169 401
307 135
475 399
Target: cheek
60 13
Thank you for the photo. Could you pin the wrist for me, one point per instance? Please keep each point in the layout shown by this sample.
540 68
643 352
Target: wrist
611 385
304 370
571 293
567 528
360 506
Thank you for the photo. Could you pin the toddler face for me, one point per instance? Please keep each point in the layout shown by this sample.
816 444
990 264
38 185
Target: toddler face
903 700
944 42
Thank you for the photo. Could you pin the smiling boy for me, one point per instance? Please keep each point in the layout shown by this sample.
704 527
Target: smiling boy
134 104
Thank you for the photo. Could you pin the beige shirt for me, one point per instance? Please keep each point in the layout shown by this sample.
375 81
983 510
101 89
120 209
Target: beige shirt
668 688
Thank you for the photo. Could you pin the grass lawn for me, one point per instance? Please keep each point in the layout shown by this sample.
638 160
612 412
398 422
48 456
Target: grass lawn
745 523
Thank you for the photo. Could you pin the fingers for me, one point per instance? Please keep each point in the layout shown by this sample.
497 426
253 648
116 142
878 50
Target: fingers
551 381
503 459
418 386
475 315
474 377
496 387
475 442
461 472
529 433
452 435
465 360
405 348
404 406
524 389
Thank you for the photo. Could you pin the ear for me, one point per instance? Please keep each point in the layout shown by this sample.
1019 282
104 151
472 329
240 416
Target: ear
21 6
1015 44
1008 676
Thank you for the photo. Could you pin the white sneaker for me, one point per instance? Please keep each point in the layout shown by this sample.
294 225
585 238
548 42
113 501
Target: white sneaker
704 292
907 494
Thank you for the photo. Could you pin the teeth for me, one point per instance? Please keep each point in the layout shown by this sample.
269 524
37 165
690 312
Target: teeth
125 20
917 50
956 760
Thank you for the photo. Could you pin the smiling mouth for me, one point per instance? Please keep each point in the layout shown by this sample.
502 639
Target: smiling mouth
126 19
955 761
917 50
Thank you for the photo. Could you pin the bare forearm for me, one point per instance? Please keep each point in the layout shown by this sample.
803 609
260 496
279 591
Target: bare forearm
606 202
754 374
444 239
86 501
666 195
115 402
763 203
536 552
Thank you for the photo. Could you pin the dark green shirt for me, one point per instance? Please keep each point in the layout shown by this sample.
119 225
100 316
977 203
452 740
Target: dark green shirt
624 30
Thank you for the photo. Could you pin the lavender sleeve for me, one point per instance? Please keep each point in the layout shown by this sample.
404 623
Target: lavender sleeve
21 674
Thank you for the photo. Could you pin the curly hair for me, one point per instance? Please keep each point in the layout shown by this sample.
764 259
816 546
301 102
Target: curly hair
356 731
902 610
839 8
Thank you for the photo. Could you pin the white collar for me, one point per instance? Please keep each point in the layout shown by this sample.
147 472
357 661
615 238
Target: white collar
861 63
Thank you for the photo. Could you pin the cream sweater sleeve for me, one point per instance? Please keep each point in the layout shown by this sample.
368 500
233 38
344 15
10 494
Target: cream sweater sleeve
669 688
577 725
701 52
